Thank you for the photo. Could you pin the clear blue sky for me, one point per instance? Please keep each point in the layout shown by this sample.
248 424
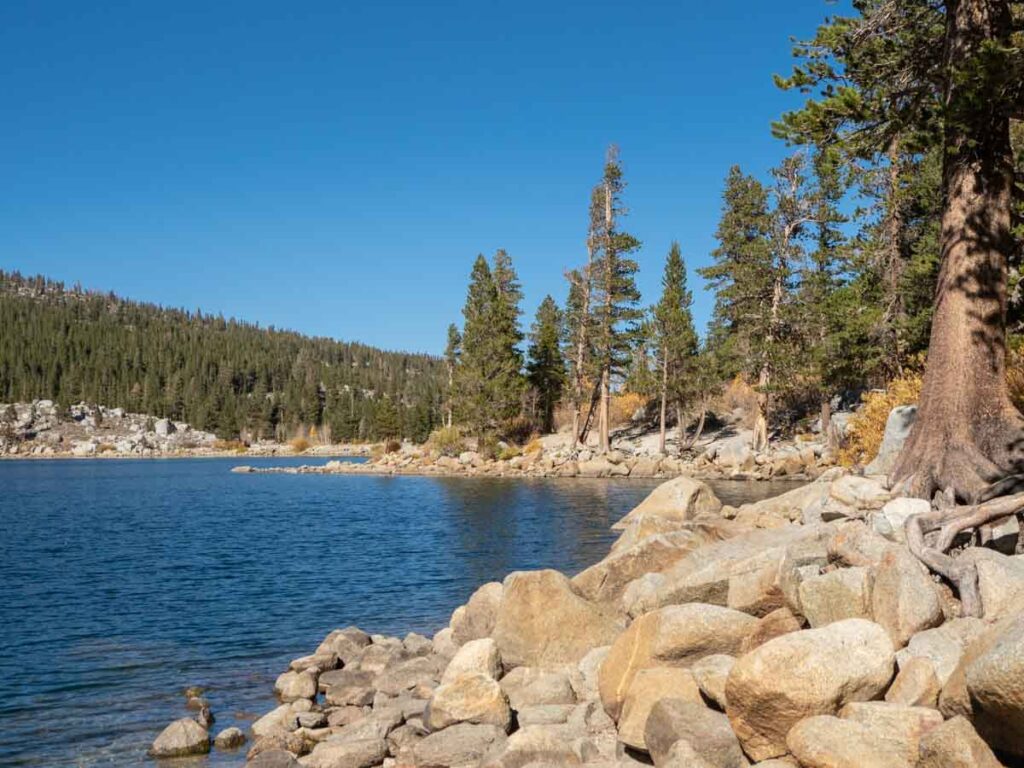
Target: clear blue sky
335 167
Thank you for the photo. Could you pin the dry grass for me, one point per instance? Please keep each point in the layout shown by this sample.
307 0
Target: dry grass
106 448
299 444
738 395
230 445
447 441
867 427
534 446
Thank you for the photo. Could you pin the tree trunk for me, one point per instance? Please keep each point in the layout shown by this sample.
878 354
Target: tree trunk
826 415
664 398
697 432
968 434
605 440
894 263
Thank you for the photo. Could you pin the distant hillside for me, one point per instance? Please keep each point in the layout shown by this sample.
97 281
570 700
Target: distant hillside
225 376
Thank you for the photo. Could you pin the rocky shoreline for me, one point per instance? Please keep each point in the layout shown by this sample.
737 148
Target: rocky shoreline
793 632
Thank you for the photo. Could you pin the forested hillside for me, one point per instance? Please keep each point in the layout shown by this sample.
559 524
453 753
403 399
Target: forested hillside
226 376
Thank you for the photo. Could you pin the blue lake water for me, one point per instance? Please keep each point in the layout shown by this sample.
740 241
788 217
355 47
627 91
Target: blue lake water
121 582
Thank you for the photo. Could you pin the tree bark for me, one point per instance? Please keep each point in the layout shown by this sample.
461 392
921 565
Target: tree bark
826 415
968 434
664 398
605 440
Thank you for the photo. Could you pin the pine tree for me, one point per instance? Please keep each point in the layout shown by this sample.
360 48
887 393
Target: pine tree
488 379
387 422
615 296
452 352
675 341
546 365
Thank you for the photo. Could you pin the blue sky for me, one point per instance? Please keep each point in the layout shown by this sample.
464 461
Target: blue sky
335 167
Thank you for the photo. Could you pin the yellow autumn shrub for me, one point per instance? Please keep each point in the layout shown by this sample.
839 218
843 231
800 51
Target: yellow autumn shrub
867 427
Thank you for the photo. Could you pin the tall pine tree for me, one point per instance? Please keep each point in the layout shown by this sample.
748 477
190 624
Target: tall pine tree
676 342
546 365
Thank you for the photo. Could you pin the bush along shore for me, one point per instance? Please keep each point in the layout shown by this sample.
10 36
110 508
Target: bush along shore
795 631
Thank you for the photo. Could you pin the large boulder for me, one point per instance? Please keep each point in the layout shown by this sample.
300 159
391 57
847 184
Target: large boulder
476 619
679 500
899 726
542 621
677 635
995 682
955 744
844 593
743 572
802 674
606 580
648 688
897 429
536 745
469 698
532 687
459 746
824 741
903 598
354 753
475 656
181 738
943 646
290 686
707 732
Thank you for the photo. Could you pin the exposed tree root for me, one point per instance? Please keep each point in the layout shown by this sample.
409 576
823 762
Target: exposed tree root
950 521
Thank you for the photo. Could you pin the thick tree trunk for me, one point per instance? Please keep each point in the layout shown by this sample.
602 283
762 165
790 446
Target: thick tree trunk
968 434
826 415
664 399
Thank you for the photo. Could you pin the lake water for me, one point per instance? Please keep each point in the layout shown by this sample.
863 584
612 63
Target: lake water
121 582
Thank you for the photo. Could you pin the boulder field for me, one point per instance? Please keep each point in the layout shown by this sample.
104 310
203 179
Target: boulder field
796 632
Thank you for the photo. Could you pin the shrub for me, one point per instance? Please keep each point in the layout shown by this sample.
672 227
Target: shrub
506 452
392 446
534 446
624 406
447 441
740 396
299 444
105 448
488 447
867 427
517 430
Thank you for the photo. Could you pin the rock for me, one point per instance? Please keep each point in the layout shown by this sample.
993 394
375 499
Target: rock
606 580
683 755
742 572
648 688
676 635
345 643
680 499
475 656
311 719
478 617
802 674
469 698
544 714
596 467
346 687
955 744
897 429
407 675
711 674
459 746
736 452
903 598
416 644
296 685
444 643
995 682
293 742
585 678
859 493
779 622
536 745
896 725
375 726
277 720
543 622
707 731
1000 582
943 646
527 686
320 662
362 753
181 738
915 685
164 427
837 595
229 738
273 758
824 741
891 519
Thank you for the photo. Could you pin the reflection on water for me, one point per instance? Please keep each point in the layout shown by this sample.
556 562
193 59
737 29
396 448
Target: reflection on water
123 581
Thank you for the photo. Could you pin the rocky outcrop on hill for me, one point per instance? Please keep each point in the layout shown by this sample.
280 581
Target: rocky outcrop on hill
41 428
797 632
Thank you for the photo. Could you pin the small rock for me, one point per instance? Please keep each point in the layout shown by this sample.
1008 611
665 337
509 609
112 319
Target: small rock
469 698
229 738
475 656
181 738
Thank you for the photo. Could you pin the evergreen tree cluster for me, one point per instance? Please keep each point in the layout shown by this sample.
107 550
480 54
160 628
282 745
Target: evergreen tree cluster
225 376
